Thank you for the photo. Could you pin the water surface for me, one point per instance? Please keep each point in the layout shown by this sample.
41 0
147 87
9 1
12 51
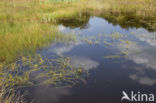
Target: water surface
116 59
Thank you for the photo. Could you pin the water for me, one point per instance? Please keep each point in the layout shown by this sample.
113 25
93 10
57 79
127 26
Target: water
125 62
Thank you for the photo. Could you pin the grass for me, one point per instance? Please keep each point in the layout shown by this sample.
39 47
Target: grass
134 13
22 30
25 25
27 38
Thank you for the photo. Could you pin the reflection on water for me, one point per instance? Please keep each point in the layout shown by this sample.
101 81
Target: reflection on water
48 94
145 56
80 21
84 62
143 79
125 21
130 62
61 49
144 36
114 59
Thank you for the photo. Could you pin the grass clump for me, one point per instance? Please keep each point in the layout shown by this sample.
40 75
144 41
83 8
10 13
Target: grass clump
26 25
128 13
28 38
22 30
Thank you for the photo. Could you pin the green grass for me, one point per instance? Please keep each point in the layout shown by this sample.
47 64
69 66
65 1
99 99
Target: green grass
132 13
27 25
27 38
22 31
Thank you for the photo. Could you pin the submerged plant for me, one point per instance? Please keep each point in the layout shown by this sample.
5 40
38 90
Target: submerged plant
57 72
87 41
112 56
107 43
116 36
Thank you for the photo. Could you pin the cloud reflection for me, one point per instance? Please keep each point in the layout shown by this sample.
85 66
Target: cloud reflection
145 36
143 79
144 55
49 94
60 50
83 62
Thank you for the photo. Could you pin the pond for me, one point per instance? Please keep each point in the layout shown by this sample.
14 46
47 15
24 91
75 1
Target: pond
115 59
98 63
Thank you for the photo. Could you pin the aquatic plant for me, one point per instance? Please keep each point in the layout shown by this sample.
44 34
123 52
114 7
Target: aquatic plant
96 42
116 35
56 72
112 56
14 98
107 43
87 41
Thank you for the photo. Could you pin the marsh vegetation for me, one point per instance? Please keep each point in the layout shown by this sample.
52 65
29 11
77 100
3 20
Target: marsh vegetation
34 22
30 28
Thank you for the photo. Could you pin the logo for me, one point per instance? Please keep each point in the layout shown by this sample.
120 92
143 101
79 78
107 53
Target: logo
134 97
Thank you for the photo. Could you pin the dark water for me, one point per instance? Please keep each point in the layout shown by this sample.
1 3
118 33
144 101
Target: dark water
128 64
